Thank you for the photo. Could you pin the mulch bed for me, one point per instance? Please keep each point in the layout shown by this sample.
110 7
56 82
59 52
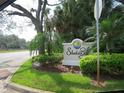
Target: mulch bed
59 68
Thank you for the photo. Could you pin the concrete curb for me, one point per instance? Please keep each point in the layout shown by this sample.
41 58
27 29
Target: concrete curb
24 89
20 88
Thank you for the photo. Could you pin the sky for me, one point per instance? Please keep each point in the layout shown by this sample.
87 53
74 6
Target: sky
23 30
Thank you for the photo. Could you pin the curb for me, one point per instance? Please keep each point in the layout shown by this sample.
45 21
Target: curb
20 88
24 89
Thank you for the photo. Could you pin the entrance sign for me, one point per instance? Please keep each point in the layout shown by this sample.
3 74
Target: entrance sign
74 51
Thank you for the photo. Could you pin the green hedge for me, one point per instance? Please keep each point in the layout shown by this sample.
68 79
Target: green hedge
55 58
109 64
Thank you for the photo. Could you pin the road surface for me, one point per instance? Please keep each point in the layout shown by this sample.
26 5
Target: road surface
11 62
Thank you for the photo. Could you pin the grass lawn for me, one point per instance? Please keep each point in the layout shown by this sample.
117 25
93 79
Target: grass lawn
59 82
7 51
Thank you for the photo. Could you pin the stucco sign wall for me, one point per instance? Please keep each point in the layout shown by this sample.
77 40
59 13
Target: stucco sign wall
74 51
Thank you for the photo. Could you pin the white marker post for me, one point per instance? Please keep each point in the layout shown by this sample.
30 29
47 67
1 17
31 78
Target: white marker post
97 14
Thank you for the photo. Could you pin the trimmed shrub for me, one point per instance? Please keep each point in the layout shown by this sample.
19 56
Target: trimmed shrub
109 64
44 59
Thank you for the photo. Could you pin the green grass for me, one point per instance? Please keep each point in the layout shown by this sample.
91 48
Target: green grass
7 51
59 82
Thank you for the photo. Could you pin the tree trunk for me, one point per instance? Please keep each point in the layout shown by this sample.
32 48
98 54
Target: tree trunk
50 44
107 47
42 49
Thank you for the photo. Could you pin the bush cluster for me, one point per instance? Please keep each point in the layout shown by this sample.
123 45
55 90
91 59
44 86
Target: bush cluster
109 64
55 58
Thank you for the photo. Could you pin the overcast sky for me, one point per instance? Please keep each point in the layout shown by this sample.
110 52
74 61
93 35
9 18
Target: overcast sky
27 32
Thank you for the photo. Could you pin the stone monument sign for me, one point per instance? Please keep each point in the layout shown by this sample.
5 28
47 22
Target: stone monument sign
74 51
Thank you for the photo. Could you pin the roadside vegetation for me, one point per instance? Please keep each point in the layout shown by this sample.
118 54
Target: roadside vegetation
8 51
11 43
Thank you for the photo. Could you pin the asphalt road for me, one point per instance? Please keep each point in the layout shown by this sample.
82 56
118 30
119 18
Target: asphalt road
12 61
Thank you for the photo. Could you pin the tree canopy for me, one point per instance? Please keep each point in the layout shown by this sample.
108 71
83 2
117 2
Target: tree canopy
12 42
71 20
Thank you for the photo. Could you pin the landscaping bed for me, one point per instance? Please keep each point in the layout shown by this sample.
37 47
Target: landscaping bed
53 63
58 67
60 82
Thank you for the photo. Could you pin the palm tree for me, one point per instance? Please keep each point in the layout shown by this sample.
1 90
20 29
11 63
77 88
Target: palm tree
74 16
111 29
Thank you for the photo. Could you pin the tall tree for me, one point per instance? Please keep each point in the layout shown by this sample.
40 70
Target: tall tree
65 19
73 17
12 42
36 19
112 27
49 37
